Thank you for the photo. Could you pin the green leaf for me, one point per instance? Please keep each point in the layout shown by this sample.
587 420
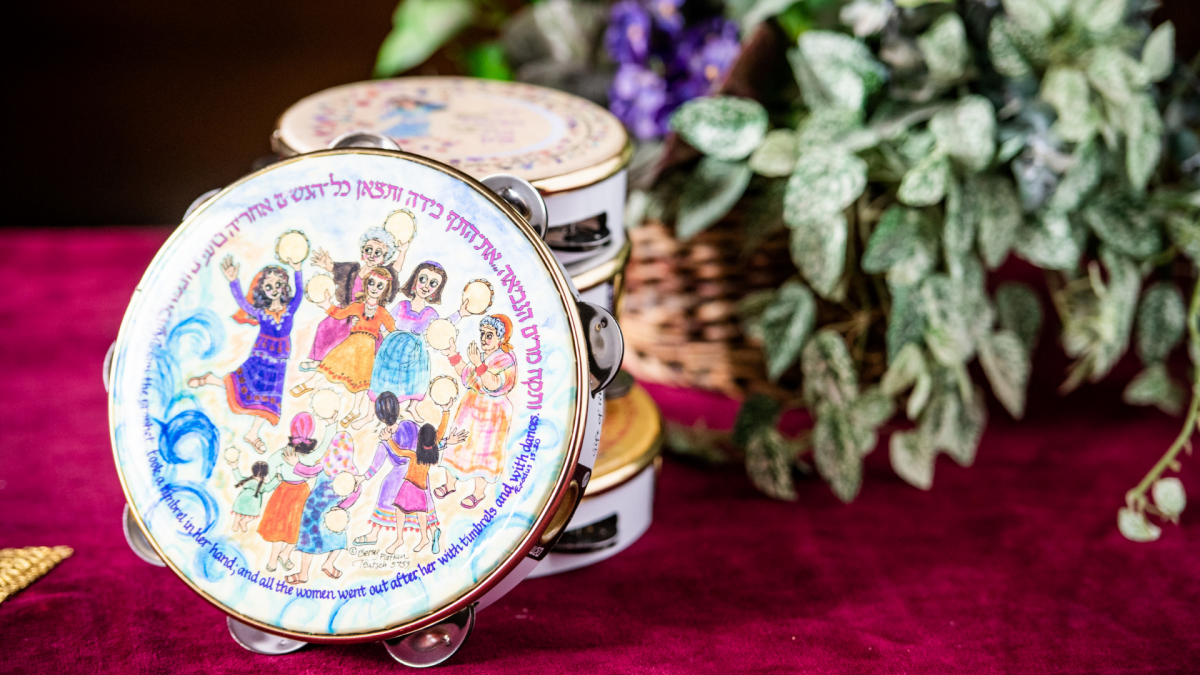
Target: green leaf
1018 310
1185 232
1033 15
944 46
489 61
757 413
1079 181
1005 56
955 318
1154 386
906 321
1169 497
919 397
1099 17
925 183
1135 527
715 187
826 127
1050 244
958 226
776 155
999 217
825 181
1158 56
838 70
769 465
951 424
1161 322
871 409
904 370
1006 364
1115 74
1129 230
829 374
912 459
787 323
1067 90
838 449
967 131
1097 327
724 127
420 28
1143 140
818 249
904 241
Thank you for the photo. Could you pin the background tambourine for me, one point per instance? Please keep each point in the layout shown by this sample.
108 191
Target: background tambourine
527 432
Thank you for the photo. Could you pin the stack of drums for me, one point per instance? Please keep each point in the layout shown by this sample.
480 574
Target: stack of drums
575 154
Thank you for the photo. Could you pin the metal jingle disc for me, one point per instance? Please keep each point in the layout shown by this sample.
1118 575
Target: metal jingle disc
433 645
137 540
363 139
523 197
259 642
606 345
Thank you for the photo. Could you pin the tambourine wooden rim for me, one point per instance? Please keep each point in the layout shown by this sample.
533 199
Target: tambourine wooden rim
574 435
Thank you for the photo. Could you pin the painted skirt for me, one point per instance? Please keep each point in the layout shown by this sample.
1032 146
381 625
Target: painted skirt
412 499
402 367
330 333
256 387
350 362
486 420
314 536
281 519
384 514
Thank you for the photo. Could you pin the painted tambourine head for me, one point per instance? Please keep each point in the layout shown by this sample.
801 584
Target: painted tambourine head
309 376
402 225
479 296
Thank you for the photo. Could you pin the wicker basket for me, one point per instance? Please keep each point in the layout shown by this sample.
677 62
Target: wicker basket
680 309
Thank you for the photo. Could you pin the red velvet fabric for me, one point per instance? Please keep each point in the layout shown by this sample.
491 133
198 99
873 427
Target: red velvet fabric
1013 565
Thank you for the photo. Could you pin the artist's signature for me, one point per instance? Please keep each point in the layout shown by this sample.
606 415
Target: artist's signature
378 559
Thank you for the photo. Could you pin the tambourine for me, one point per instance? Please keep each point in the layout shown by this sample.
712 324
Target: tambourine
292 247
572 150
479 295
259 364
319 287
402 224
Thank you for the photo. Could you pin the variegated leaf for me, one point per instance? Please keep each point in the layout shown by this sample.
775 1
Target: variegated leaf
1033 15
999 217
776 155
1158 56
838 449
912 458
1154 386
1006 364
1134 526
1115 74
1185 232
906 322
1099 17
1143 140
724 127
1018 310
1067 90
769 465
787 323
967 132
925 183
1005 56
903 372
1161 322
1050 244
1169 496
952 424
871 409
818 249
825 181
843 67
944 46
829 373
713 189
1126 228
1079 181
904 245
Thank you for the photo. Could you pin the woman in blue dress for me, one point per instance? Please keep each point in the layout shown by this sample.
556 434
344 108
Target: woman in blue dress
256 387
315 536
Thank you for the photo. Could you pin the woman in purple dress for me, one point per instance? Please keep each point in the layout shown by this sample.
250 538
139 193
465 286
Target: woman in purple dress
256 387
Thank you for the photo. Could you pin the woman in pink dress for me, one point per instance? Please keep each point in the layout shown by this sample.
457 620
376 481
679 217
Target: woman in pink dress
485 412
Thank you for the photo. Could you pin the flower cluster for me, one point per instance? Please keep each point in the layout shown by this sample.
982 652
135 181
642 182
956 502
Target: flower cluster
663 61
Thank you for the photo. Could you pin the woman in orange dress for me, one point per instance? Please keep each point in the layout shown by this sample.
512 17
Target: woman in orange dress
350 363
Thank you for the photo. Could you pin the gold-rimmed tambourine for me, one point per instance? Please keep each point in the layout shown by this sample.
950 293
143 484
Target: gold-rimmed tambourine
479 295
311 388
402 225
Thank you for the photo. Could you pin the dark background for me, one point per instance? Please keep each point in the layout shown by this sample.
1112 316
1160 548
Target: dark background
122 113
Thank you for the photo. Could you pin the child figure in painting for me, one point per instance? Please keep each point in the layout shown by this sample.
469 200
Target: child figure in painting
485 413
350 362
378 249
414 496
280 524
402 366
249 502
315 536
256 387
392 437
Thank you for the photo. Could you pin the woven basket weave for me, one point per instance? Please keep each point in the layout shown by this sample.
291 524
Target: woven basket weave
679 314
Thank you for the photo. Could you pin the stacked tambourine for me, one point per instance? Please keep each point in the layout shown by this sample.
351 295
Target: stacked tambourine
360 393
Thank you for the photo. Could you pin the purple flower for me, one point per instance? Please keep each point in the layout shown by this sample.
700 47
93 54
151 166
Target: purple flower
638 97
705 54
628 33
666 15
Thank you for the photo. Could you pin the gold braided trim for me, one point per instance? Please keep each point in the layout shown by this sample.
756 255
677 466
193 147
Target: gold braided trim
20 567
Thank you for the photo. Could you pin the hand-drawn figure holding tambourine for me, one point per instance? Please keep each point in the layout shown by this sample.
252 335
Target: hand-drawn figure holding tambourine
336 487
379 248
280 523
350 362
256 387
252 490
402 366
485 412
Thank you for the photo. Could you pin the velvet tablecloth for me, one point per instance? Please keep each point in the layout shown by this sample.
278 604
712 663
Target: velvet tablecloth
1013 565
